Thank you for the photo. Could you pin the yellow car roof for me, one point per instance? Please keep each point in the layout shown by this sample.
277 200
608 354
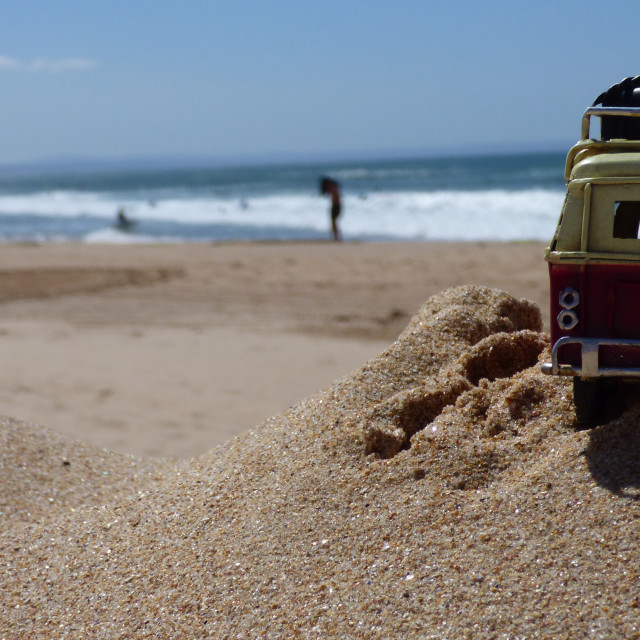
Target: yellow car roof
608 165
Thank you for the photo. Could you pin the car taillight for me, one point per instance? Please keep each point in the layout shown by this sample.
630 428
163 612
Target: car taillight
568 316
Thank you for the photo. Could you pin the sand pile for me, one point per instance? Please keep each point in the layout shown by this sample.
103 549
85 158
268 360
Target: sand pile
441 491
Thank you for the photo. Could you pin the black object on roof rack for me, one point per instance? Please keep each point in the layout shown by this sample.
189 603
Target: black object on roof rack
623 94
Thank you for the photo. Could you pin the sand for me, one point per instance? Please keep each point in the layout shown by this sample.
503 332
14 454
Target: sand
170 350
439 490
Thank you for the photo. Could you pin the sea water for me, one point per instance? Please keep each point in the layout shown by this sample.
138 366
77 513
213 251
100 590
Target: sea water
500 197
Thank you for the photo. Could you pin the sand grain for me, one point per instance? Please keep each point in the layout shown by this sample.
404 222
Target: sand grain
496 519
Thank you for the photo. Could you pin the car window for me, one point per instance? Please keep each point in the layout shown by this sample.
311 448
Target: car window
614 219
626 219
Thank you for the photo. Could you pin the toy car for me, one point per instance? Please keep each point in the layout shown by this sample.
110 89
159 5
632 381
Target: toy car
594 256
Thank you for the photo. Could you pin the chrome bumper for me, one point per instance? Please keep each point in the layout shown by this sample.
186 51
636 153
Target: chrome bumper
590 348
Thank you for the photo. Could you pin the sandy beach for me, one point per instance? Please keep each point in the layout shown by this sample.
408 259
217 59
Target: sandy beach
170 350
427 482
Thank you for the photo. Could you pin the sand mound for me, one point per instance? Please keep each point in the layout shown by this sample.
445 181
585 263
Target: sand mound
391 424
493 518
43 473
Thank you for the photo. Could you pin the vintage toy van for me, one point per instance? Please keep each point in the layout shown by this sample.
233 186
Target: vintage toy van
594 257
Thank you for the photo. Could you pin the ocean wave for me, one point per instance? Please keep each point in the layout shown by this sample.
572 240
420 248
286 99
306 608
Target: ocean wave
410 215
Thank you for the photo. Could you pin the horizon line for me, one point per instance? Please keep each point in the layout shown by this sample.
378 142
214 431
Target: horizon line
193 160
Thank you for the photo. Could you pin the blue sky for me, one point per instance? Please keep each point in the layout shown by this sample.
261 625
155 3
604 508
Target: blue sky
262 78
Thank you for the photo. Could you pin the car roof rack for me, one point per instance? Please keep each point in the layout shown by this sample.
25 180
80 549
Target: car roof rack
606 114
615 125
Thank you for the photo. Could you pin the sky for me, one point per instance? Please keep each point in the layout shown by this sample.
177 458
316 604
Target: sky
278 78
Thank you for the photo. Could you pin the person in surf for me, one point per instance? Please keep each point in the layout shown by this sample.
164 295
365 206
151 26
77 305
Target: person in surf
330 187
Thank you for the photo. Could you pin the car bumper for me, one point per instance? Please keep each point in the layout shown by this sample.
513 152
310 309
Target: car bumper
590 359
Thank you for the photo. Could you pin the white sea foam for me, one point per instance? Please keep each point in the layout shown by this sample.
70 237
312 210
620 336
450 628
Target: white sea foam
110 235
450 215
437 215
57 203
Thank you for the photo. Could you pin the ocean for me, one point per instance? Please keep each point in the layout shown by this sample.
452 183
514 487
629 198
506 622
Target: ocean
497 197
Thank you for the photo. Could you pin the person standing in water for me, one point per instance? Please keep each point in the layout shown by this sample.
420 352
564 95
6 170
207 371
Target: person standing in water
332 189
123 223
